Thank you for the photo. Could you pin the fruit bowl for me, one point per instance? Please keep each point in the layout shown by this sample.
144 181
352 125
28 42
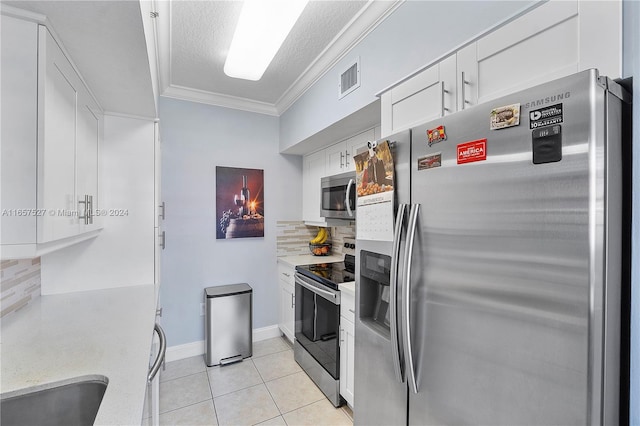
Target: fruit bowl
323 249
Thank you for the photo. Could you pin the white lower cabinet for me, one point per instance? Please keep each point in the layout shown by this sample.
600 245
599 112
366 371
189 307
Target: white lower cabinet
347 346
286 283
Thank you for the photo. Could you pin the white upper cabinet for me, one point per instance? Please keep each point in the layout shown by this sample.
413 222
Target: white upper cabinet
333 160
48 197
429 94
356 145
337 159
313 169
552 40
339 156
57 110
69 134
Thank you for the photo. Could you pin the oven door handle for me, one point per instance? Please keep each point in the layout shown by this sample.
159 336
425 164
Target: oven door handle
333 297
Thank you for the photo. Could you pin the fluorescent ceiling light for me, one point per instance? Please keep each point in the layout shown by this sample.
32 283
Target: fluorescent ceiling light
261 30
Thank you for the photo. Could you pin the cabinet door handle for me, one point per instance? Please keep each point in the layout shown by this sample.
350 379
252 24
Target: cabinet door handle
286 275
341 157
292 303
462 88
90 199
164 239
346 160
161 215
443 92
85 216
352 311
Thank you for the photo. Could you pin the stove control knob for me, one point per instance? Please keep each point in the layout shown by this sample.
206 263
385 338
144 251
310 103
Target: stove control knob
346 245
352 246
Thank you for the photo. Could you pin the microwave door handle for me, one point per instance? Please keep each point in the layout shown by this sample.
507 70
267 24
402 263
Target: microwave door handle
395 331
346 198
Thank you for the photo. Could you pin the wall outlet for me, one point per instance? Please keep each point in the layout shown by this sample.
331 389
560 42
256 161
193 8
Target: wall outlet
202 309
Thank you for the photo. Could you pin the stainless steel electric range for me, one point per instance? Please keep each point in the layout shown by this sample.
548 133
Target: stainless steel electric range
317 320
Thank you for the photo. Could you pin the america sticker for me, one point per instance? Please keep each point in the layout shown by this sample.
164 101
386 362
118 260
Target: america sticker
469 152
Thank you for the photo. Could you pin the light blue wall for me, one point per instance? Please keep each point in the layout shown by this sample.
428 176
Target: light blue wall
414 35
631 68
195 139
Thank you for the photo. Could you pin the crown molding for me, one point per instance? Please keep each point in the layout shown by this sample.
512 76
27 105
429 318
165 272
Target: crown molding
23 14
372 15
218 99
359 27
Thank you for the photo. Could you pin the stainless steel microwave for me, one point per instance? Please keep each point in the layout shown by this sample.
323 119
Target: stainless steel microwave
338 196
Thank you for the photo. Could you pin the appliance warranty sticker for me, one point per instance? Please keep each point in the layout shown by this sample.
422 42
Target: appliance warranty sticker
469 152
436 135
505 116
546 116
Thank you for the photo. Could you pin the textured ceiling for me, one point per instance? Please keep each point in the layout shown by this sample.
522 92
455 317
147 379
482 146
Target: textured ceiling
201 33
115 46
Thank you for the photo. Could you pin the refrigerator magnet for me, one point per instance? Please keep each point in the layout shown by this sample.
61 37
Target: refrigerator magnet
436 135
430 161
505 116
470 152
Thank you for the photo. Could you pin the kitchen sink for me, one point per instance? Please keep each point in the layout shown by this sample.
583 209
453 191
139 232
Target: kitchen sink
70 402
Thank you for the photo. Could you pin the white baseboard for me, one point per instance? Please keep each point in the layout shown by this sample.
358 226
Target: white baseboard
265 333
188 350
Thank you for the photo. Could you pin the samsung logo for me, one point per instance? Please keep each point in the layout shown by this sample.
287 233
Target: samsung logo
547 100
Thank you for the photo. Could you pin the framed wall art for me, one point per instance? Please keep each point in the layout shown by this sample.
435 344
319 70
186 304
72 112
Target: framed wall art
239 202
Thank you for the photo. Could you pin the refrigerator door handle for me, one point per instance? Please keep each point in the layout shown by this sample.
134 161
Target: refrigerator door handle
406 306
393 314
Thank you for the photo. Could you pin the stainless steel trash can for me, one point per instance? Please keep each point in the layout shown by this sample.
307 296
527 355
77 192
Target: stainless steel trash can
228 322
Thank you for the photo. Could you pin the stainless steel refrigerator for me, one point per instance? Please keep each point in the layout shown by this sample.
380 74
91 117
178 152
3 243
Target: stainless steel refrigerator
498 300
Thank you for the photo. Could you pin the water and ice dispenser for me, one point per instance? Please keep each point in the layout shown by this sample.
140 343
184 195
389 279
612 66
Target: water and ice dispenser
375 272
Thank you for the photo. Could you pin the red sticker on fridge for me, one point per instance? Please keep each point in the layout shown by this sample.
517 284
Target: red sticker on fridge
469 152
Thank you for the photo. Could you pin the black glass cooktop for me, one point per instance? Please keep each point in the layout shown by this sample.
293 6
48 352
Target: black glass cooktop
330 274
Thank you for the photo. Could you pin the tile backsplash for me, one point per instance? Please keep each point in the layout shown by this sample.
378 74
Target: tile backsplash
20 284
293 237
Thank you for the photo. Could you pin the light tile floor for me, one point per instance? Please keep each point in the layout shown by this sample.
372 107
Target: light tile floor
269 388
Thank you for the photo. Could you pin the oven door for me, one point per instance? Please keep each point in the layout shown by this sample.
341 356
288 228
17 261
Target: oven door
318 322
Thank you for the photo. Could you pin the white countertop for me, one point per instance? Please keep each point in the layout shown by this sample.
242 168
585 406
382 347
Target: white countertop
309 259
101 332
349 288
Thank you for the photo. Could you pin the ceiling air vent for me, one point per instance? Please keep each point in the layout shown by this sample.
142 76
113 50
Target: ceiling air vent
349 79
